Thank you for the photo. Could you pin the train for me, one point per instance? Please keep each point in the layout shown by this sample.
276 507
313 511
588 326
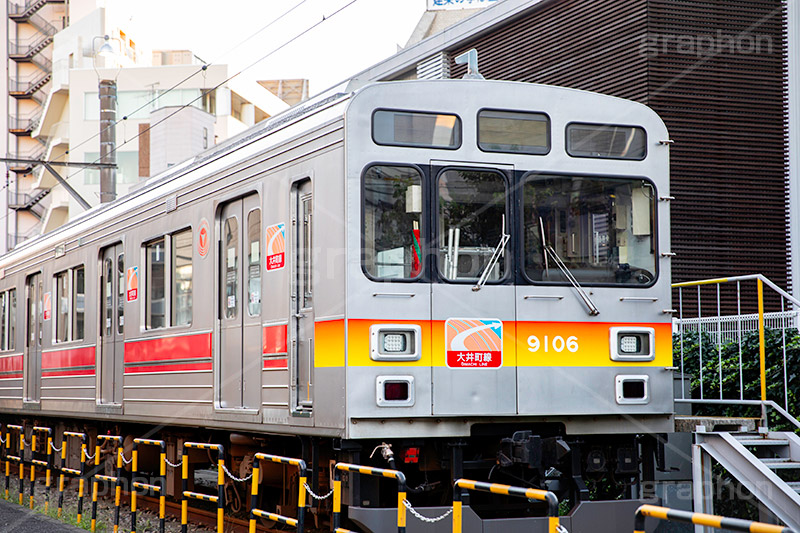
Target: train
454 278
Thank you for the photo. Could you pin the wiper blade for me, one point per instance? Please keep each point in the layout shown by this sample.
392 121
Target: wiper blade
593 310
496 254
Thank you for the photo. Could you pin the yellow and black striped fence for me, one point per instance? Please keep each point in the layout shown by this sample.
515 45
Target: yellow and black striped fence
701 519
301 496
46 464
508 490
115 479
71 471
12 429
160 487
186 494
369 471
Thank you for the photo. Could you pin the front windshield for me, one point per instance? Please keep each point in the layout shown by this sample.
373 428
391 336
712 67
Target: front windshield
601 228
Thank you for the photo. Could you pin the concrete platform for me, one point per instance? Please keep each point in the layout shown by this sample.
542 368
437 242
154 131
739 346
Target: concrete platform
17 519
688 424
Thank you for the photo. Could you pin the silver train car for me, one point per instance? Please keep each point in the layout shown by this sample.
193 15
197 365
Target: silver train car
471 277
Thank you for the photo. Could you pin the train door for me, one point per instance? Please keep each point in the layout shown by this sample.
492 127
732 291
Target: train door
240 305
474 365
33 337
112 324
302 331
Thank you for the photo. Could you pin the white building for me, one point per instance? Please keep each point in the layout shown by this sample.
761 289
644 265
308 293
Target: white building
67 126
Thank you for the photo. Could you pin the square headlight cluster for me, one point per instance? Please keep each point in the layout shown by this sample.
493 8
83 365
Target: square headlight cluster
395 342
632 344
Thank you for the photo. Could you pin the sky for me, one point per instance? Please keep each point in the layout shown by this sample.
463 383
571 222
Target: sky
354 35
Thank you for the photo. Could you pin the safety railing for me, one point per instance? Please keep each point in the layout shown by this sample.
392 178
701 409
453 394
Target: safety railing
47 465
19 459
508 490
116 479
701 519
301 496
369 471
81 474
160 486
721 323
187 495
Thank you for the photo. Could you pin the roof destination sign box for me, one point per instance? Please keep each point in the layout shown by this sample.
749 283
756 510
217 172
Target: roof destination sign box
441 5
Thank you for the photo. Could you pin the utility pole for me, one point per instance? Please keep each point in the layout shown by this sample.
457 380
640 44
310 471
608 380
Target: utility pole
108 140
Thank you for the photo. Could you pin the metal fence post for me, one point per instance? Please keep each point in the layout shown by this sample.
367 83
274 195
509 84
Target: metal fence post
301 496
116 479
186 494
159 487
47 465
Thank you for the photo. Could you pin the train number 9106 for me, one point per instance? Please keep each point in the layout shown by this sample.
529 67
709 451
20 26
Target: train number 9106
556 344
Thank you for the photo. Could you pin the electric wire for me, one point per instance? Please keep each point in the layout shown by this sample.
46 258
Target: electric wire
203 68
220 84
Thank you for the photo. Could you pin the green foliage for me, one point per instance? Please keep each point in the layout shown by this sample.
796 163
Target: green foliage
724 360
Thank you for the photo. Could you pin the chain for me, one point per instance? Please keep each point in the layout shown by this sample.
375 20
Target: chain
174 465
425 518
316 496
561 529
126 461
89 457
228 473
53 447
2 440
25 442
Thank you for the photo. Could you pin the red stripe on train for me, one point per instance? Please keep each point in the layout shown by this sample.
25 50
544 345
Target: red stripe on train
68 358
276 363
82 372
274 339
11 364
11 376
185 367
166 348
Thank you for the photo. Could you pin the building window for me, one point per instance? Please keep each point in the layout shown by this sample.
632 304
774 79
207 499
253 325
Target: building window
169 283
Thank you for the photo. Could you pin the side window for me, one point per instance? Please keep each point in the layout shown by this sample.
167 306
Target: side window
12 319
155 305
169 283
78 302
3 318
182 277
254 262
69 298
392 223
62 307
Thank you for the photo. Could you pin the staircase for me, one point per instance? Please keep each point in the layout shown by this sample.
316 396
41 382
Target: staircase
765 463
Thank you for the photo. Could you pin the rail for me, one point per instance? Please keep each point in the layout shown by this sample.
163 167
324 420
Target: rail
298 522
508 490
701 519
158 488
187 495
369 471
718 330
116 479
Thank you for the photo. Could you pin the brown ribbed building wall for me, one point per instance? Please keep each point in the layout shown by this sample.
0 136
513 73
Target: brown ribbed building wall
715 72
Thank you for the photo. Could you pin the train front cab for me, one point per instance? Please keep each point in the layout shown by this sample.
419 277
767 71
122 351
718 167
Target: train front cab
458 334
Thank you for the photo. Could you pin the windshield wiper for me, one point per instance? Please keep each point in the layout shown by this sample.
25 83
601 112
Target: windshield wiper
496 255
593 310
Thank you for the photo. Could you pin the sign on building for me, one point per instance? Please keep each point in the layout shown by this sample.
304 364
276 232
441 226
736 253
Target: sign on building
440 5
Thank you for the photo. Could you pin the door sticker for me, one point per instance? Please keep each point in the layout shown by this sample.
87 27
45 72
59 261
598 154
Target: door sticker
46 306
133 283
276 246
474 342
203 239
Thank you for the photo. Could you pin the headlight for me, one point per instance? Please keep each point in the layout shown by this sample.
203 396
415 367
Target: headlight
395 342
